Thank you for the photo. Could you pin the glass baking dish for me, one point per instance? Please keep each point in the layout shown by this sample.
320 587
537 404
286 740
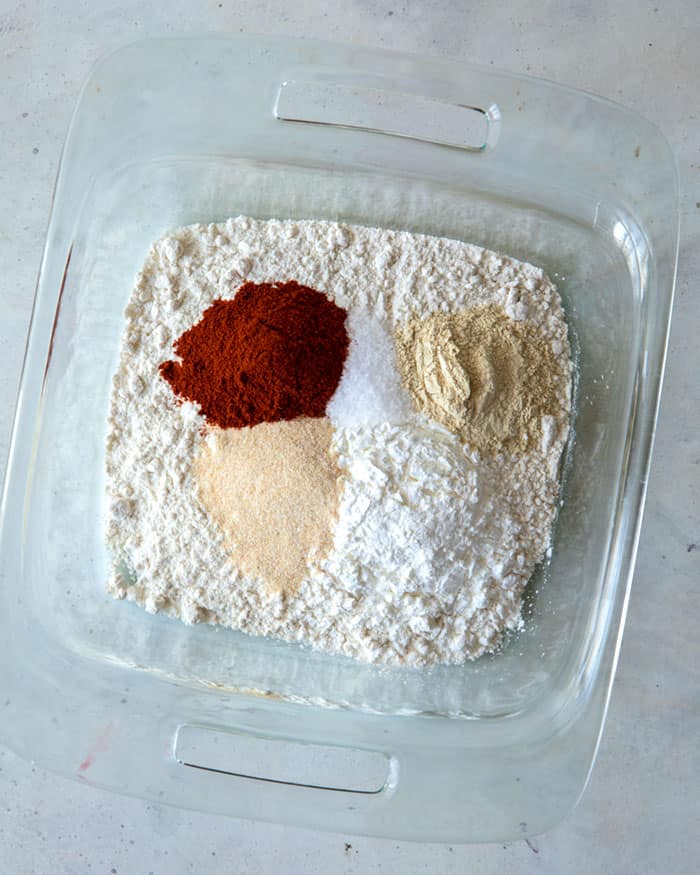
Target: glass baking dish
175 131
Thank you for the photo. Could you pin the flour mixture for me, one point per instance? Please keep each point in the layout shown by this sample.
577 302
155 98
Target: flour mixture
378 481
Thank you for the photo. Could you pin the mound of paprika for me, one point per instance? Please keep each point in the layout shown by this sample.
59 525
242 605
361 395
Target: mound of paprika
273 352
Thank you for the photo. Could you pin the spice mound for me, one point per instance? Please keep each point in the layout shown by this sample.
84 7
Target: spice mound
273 490
274 352
489 378
341 436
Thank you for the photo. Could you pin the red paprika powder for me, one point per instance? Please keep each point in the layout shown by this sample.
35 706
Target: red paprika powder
275 351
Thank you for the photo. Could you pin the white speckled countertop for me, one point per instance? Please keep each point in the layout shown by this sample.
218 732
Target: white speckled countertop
641 812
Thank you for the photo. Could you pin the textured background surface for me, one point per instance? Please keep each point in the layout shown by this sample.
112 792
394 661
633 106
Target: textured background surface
641 811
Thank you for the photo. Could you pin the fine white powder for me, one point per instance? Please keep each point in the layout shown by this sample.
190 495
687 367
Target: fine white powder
433 544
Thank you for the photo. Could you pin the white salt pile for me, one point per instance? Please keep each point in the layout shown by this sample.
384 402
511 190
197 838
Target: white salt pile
370 390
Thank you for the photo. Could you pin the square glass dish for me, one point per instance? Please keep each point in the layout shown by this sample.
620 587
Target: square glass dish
171 132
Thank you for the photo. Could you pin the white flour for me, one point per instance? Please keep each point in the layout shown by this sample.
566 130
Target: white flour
433 545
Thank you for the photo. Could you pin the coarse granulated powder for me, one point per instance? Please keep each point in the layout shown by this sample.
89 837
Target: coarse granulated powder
434 541
273 491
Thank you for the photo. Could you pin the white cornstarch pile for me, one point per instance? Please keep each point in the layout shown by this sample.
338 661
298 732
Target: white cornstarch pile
432 539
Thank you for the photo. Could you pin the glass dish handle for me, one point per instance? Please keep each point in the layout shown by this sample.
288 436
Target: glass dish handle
385 111
283 762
